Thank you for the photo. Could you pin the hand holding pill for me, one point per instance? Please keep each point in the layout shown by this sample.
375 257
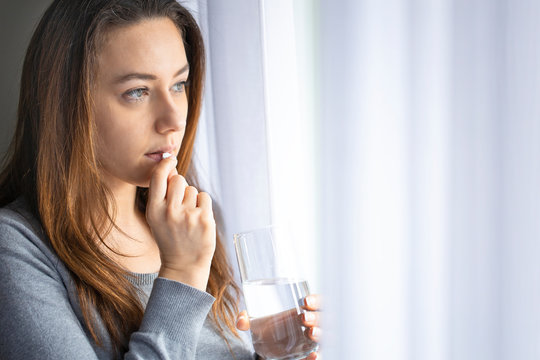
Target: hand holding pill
182 222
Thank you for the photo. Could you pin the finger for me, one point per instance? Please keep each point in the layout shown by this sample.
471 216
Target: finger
157 189
310 318
313 356
175 191
242 322
190 197
204 201
314 333
312 302
173 171
184 181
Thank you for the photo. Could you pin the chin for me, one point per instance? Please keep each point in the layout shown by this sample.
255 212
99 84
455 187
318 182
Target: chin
142 181
143 184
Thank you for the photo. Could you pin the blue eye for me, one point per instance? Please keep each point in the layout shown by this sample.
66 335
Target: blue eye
179 86
136 94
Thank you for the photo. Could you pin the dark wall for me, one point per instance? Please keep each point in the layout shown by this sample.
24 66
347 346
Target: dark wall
17 21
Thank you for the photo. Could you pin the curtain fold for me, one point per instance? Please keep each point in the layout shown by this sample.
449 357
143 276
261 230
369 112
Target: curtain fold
230 152
255 136
428 149
430 136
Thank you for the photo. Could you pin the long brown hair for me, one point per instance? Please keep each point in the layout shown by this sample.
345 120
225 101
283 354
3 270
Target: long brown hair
52 163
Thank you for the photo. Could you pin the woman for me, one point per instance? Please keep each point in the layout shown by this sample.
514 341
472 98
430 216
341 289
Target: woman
106 250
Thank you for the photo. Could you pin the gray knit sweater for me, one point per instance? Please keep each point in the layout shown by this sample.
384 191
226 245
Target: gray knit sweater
40 317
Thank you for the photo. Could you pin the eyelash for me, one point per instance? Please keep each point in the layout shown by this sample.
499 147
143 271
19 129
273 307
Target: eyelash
132 94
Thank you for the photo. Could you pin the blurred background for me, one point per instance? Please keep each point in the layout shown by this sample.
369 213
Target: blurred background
399 141
17 22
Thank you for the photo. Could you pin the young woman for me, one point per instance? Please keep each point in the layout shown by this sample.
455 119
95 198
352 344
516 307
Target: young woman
106 250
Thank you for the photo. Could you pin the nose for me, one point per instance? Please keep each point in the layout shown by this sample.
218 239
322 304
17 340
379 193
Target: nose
171 113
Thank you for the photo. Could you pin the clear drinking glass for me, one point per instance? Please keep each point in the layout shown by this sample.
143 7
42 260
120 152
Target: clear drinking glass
274 293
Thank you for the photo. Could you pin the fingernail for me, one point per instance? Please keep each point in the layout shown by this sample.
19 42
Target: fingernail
308 317
241 317
315 332
166 155
308 301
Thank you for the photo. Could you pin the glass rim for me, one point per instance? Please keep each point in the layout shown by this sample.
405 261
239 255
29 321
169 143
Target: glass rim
255 230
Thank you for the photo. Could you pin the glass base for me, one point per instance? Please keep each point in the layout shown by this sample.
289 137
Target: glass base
297 356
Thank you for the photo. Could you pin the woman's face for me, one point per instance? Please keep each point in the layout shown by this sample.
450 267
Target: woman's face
140 103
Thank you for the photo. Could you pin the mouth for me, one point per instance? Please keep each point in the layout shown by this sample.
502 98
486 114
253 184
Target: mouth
161 154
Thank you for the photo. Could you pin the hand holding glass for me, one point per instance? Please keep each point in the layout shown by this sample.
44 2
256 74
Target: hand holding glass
274 294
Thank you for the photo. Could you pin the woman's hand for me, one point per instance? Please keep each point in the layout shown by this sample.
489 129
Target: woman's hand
182 222
310 319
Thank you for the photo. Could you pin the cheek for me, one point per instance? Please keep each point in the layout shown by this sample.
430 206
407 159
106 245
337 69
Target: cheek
120 145
119 135
108 137
116 126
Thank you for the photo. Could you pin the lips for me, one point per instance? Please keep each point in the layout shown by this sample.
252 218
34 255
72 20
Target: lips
157 155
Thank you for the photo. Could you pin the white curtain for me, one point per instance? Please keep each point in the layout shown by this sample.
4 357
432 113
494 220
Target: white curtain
255 141
230 152
419 181
431 164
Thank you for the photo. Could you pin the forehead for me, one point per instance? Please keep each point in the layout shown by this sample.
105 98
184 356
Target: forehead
153 45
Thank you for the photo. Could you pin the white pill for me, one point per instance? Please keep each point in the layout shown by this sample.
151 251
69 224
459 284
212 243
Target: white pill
166 155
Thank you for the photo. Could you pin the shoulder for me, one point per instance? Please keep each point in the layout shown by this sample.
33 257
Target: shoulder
39 312
19 226
22 238
16 214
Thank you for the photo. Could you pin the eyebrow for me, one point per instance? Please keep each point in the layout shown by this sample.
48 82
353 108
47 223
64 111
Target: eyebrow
140 76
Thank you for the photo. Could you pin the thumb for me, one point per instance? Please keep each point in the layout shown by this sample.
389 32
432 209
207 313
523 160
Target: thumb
242 321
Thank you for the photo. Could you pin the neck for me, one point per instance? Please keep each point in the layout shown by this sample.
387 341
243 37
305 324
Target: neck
124 196
134 245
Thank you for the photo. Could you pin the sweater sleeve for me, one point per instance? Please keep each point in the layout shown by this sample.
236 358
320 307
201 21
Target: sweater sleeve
38 320
172 322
